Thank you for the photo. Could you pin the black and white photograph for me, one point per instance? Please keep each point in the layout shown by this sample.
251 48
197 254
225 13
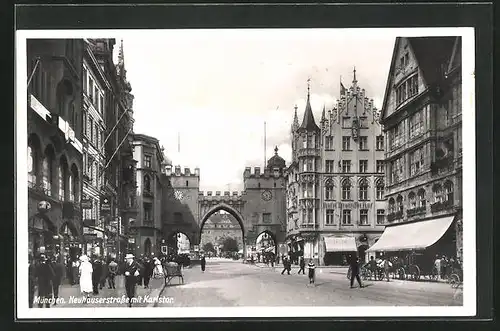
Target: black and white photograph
245 173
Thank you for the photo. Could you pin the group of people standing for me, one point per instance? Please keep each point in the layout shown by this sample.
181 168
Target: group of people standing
46 275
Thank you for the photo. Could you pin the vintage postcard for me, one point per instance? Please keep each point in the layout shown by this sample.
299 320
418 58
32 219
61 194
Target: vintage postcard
245 173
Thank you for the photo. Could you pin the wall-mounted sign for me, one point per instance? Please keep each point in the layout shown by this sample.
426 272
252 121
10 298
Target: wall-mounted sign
86 204
131 240
348 205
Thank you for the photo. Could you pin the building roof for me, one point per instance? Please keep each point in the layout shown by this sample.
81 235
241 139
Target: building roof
308 123
430 53
276 161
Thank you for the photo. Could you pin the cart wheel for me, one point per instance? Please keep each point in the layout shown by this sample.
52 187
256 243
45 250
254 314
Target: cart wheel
401 274
415 273
454 280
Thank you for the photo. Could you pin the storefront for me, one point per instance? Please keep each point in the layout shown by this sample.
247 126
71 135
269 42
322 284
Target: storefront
338 249
435 236
41 235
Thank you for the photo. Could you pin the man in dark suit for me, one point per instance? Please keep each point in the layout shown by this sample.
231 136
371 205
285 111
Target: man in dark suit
58 268
131 273
96 274
354 265
44 275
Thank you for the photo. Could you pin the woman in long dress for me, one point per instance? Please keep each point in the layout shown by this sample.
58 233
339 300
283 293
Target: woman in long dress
158 268
85 276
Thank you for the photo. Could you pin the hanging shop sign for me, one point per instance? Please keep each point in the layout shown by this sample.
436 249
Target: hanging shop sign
105 204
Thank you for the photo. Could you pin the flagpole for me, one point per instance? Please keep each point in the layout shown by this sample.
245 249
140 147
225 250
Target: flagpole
265 145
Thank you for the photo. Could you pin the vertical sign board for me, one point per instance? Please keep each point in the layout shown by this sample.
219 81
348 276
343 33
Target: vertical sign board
105 205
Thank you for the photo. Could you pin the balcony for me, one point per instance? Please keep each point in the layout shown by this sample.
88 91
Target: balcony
303 152
416 211
394 216
439 206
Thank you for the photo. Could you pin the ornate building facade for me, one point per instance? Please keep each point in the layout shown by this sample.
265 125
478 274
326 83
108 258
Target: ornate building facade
54 145
145 230
422 118
335 184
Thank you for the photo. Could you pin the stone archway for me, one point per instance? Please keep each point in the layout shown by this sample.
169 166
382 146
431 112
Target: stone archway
171 239
227 208
273 237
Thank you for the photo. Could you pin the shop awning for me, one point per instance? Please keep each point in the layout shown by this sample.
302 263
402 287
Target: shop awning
340 244
417 235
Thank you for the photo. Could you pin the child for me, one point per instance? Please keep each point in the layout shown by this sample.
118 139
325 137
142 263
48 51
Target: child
311 268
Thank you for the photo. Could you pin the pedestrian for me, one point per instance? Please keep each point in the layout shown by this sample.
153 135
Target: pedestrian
58 268
104 274
112 271
373 267
203 263
354 266
302 265
311 271
85 270
31 280
386 264
44 275
131 274
140 264
285 265
437 265
148 271
158 269
75 267
96 274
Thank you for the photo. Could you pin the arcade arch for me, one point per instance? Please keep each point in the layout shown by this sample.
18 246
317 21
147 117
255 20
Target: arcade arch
265 246
221 222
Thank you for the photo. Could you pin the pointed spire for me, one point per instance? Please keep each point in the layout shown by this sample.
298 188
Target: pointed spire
308 122
276 150
354 81
323 116
295 118
121 61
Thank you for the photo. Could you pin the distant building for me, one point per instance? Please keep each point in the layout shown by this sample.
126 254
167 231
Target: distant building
335 184
146 229
219 227
422 118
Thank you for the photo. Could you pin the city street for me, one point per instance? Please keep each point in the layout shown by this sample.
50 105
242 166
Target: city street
232 283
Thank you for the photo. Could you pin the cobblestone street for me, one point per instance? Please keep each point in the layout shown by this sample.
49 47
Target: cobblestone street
232 283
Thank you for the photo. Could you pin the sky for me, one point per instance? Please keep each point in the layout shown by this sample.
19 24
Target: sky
205 94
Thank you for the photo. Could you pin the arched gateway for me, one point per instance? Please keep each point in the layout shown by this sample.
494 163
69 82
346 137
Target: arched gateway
260 207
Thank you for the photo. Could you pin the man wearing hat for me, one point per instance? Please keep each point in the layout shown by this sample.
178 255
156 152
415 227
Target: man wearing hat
44 275
131 273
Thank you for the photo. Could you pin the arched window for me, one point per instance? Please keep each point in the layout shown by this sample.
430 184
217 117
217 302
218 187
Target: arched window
438 193
346 190
363 189
413 200
329 190
47 171
400 203
448 187
147 183
62 174
380 190
392 206
421 198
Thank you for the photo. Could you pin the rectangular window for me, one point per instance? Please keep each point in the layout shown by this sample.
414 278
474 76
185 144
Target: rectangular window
101 103
346 192
416 161
329 190
95 138
346 122
310 142
96 97
91 89
91 127
346 217
363 166
363 192
380 166
416 124
147 161
329 166
396 170
266 218
380 216
363 217
85 123
363 143
346 143
330 217
304 142
380 143
380 192
84 78
148 212
329 143
346 166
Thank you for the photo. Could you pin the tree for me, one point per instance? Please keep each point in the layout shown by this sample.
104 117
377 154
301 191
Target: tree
230 245
209 247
